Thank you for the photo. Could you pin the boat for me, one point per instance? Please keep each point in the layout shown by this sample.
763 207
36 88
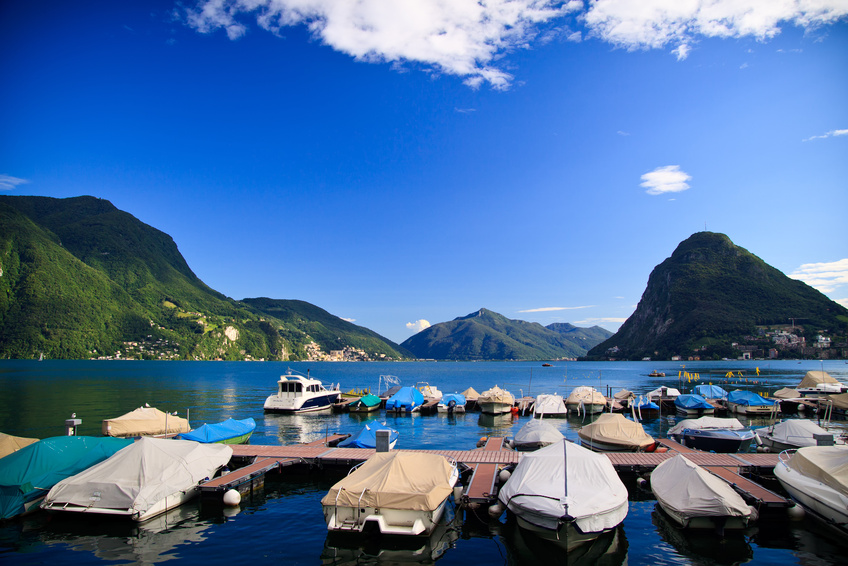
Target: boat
663 393
816 477
452 403
400 493
229 431
696 499
835 404
367 437
10 444
546 365
612 432
145 421
819 383
549 406
749 403
790 400
794 433
406 400
693 405
624 396
656 373
585 399
430 392
710 391
565 493
28 474
496 401
644 408
143 480
297 393
366 404
536 434
713 434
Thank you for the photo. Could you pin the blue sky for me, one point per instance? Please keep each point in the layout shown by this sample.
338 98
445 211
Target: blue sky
405 163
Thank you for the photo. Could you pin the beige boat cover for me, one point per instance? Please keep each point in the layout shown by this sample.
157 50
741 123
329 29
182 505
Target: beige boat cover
9 444
470 394
496 395
840 401
623 394
145 421
692 491
827 464
787 393
587 394
613 428
816 377
416 481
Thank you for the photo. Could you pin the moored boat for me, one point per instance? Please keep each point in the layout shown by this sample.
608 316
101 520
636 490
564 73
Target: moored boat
496 401
366 404
549 406
536 434
820 383
452 403
612 432
656 373
585 399
10 444
749 403
406 400
367 437
145 421
713 434
794 433
229 431
430 392
644 408
710 391
693 405
298 393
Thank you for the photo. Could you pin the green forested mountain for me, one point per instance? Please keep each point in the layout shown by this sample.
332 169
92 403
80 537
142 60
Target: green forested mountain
487 335
711 293
80 278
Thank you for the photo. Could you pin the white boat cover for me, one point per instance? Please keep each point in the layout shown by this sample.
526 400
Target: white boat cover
145 421
588 395
566 482
537 431
796 432
692 491
470 394
496 395
815 378
787 393
416 481
549 405
142 474
614 428
707 422
670 392
826 464
9 443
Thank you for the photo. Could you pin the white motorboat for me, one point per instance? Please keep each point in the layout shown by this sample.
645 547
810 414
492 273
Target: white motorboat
816 477
749 403
401 493
537 433
585 399
140 481
496 401
794 433
819 384
452 403
696 499
549 406
713 434
612 432
298 393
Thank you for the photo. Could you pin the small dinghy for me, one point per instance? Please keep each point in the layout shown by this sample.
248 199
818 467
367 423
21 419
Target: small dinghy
612 432
366 404
536 434
693 405
227 432
549 406
367 437
696 499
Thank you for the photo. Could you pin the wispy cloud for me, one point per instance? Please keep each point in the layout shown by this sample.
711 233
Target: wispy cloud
668 179
348 319
548 309
830 134
609 320
843 302
623 133
826 277
7 182
418 325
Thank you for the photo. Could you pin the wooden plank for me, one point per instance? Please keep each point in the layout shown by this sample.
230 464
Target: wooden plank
481 486
241 475
749 489
674 445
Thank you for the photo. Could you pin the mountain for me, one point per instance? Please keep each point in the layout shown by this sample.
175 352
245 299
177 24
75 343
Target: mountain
487 335
80 278
711 293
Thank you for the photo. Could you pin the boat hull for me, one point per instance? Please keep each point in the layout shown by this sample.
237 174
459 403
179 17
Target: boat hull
592 409
716 523
324 402
444 409
715 441
387 521
600 446
170 502
494 407
755 410
820 500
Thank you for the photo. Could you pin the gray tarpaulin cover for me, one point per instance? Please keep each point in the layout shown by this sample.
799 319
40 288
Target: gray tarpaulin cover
566 481
549 405
706 422
694 492
142 474
796 432
538 432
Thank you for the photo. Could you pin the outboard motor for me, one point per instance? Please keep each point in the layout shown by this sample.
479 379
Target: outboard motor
451 405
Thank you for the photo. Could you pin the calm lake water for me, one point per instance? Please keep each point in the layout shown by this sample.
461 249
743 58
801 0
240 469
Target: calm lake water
285 524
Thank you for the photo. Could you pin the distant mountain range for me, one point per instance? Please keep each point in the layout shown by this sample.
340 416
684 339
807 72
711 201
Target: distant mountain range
487 335
711 293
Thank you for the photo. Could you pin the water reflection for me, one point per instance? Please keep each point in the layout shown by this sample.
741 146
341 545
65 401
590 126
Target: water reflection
703 546
300 428
525 547
495 422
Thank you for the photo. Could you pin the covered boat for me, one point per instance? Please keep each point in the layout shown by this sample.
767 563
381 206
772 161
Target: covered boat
693 405
549 406
663 395
496 401
536 434
401 493
790 400
816 477
140 481
406 400
566 493
366 404
696 499
713 434
298 393
585 399
612 432
793 433
28 474
709 391
818 383
145 421
452 403
749 403
10 444
227 432
367 437
430 392
644 408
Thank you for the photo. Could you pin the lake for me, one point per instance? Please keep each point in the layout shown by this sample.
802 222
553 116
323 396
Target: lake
285 523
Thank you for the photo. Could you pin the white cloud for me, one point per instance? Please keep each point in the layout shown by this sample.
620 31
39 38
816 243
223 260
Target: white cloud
351 320
418 325
830 134
548 309
843 302
7 182
668 179
623 133
826 277
681 51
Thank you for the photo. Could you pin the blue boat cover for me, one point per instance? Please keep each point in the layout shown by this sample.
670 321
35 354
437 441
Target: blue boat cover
406 399
711 391
458 398
692 401
748 398
645 403
219 432
367 437
30 472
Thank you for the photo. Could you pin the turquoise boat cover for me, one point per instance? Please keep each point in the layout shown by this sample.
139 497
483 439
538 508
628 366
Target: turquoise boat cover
406 399
367 437
30 472
218 432
711 391
692 401
748 398
369 400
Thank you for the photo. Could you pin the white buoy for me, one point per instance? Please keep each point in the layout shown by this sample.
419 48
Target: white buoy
457 493
496 510
503 476
232 498
642 482
796 512
755 514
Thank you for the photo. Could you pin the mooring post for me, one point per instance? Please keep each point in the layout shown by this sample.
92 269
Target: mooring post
383 440
71 425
